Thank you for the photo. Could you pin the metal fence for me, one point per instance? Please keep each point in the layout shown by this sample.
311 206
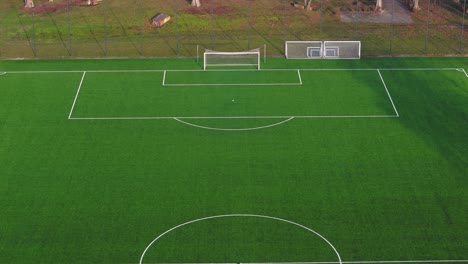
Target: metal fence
119 28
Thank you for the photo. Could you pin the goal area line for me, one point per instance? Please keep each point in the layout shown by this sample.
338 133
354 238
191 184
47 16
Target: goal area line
297 82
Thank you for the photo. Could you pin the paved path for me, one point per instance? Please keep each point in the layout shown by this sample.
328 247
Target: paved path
395 11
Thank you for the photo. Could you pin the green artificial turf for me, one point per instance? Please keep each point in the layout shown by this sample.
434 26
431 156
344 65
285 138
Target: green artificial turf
99 191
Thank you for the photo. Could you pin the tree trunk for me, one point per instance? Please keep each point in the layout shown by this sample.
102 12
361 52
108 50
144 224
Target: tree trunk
307 4
196 3
28 3
379 5
414 5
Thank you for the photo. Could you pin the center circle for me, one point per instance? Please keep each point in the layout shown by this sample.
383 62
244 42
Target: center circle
241 215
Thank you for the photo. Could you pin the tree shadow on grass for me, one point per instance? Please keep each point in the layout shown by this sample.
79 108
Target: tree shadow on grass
434 105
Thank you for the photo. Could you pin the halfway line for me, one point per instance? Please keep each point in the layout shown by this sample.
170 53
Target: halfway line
344 262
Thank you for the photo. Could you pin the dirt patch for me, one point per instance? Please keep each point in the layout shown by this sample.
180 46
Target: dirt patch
45 7
394 13
205 8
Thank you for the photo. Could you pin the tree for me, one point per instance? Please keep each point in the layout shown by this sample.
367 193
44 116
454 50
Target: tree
414 5
28 3
307 4
196 3
379 5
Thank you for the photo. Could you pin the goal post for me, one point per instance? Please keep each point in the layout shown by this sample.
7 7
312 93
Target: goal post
323 49
239 58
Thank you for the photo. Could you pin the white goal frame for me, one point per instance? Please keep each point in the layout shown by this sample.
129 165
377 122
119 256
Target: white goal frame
335 46
322 49
307 46
228 54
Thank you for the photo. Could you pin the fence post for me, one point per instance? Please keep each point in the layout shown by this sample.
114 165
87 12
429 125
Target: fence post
392 26
212 25
105 27
69 29
140 11
177 29
321 13
33 37
427 26
462 47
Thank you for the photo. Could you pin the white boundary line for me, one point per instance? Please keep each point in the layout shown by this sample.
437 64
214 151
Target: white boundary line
225 117
241 215
400 261
335 262
299 74
328 69
388 93
76 96
164 79
234 129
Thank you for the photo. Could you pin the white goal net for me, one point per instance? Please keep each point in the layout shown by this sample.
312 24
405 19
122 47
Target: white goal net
323 49
303 49
342 49
242 58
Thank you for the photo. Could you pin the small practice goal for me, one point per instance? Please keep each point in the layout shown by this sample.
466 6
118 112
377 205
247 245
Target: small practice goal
241 58
323 49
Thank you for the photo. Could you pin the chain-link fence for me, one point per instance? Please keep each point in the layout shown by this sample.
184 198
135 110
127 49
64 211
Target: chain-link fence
118 28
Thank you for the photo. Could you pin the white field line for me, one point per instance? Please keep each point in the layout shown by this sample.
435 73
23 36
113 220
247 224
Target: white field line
228 84
242 215
465 72
336 262
221 70
226 117
388 93
76 96
300 78
232 84
234 129
2 73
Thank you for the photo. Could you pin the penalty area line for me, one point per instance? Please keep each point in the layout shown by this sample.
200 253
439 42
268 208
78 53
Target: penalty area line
300 78
388 93
76 96
463 70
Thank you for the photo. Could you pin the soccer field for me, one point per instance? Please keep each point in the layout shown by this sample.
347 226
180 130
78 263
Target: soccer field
157 161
